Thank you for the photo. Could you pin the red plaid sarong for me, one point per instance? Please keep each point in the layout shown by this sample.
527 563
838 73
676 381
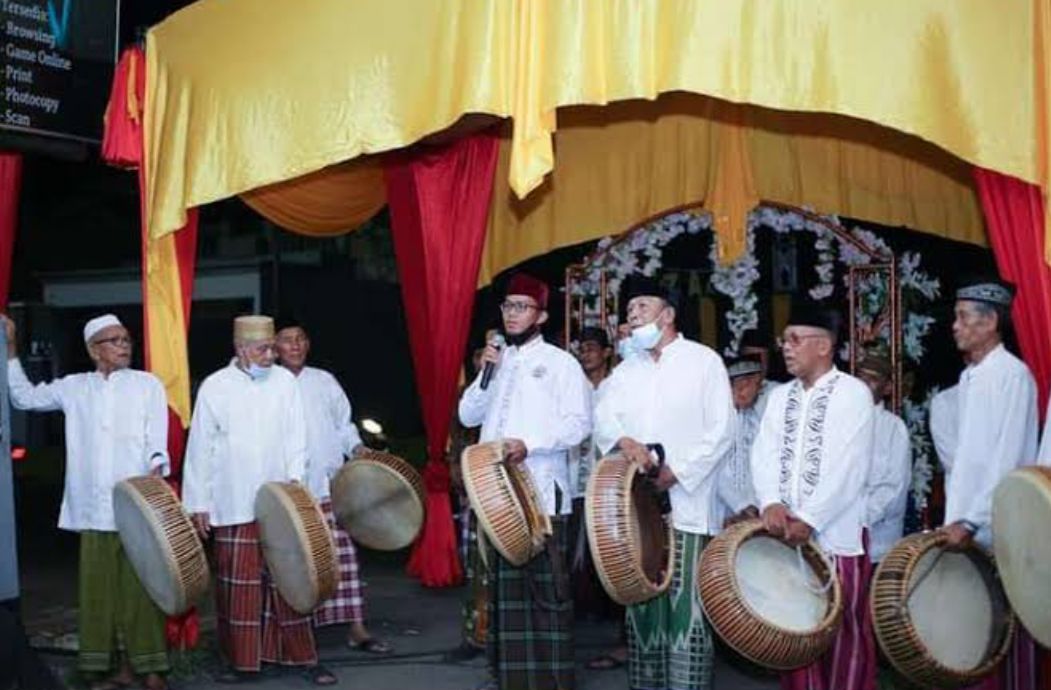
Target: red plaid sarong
347 605
255 624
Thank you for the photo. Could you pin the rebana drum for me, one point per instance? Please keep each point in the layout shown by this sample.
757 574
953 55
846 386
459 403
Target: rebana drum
941 617
297 545
378 499
161 543
779 606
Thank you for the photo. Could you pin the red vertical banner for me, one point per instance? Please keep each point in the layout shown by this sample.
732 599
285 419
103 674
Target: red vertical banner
10 188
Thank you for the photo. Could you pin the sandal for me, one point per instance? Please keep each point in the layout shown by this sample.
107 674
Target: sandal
370 645
319 675
604 662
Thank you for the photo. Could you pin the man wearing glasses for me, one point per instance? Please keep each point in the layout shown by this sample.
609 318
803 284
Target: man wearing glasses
810 461
116 428
669 406
539 403
248 429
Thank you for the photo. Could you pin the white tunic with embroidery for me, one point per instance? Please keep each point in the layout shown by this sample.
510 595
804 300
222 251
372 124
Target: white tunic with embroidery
116 428
244 433
736 490
331 434
682 401
997 430
539 394
888 482
582 457
812 454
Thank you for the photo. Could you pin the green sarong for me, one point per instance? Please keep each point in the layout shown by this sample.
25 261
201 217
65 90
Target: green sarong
115 611
669 642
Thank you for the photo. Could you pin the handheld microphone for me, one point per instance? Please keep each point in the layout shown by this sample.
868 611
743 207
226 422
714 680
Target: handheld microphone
496 341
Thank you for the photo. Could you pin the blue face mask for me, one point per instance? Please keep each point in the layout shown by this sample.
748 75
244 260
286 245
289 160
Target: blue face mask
646 337
258 373
626 348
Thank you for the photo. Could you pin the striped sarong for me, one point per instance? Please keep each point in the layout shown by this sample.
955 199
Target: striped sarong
850 663
347 605
531 619
670 645
115 609
254 623
475 608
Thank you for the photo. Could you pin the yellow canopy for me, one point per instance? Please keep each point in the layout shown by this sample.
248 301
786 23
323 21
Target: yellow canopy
243 94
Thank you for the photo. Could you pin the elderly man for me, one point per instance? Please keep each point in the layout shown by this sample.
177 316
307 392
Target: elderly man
116 427
248 429
736 492
890 473
670 406
539 404
331 438
810 460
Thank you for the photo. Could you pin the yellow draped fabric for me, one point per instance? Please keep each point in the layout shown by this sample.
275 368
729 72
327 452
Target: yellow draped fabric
633 160
167 323
330 202
243 94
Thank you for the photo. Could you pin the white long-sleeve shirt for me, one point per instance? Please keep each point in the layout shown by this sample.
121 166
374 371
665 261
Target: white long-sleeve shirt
736 490
331 433
244 433
584 456
996 409
812 454
1044 456
944 425
683 402
116 428
888 482
538 394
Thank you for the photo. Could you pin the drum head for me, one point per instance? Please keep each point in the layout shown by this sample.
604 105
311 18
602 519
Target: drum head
952 582
377 504
287 545
779 586
146 546
1021 511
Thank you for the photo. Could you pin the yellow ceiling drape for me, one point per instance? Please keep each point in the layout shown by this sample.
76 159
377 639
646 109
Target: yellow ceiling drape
243 94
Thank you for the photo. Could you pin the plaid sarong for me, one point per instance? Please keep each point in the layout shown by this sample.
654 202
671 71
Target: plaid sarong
531 619
254 623
474 610
115 609
347 605
670 645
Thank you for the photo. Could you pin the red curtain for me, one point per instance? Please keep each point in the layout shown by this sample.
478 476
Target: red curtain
439 203
10 187
1014 215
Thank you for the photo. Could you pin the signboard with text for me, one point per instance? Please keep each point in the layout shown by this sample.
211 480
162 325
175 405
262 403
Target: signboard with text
57 60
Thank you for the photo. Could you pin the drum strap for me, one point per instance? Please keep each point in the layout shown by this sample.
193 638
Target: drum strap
805 570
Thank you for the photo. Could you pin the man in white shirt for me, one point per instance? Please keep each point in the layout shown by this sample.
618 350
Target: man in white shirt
809 464
331 438
116 428
755 345
890 474
673 400
736 491
539 404
248 429
996 411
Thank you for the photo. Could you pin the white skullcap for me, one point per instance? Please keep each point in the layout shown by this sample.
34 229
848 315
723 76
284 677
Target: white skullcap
97 324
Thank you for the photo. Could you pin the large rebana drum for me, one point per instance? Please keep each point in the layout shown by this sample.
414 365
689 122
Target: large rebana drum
776 605
297 545
1021 513
378 499
941 617
504 499
160 541
630 540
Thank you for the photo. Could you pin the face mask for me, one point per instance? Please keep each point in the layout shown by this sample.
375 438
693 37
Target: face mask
646 337
626 348
523 337
258 373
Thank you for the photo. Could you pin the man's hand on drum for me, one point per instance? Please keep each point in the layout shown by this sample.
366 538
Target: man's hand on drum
636 452
202 523
515 451
959 537
798 532
775 519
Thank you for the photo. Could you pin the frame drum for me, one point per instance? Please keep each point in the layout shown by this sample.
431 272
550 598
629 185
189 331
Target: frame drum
941 617
378 499
1021 513
504 499
161 543
778 606
630 540
297 545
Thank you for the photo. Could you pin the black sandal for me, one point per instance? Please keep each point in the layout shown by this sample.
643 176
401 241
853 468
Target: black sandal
319 675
